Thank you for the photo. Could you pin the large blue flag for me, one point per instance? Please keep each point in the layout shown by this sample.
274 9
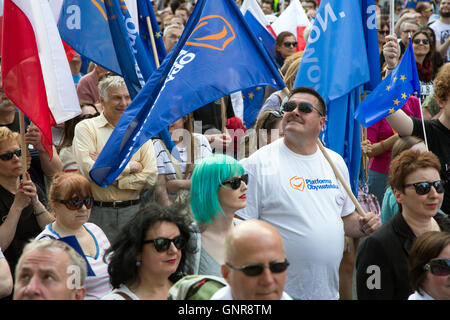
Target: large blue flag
368 9
392 93
84 26
335 63
146 13
216 55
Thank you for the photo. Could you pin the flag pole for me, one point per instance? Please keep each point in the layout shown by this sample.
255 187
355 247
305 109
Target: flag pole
223 112
23 145
341 179
391 16
423 125
152 40
364 156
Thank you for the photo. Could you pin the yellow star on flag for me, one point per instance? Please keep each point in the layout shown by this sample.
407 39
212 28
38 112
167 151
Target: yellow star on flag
403 77
258 88
395 79
396 102
158 34
251 95
388 88
391 111
404 96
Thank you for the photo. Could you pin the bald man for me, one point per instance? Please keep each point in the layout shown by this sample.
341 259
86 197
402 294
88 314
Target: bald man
256 264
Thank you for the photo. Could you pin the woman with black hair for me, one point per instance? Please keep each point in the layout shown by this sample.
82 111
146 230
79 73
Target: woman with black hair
148 255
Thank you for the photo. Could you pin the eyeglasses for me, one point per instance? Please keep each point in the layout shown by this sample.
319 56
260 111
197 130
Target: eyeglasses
423 188
409 31
77 203
9 155
290 44
429 10
303 107
384 32
163 244
253 270
438 267
235 182
424 41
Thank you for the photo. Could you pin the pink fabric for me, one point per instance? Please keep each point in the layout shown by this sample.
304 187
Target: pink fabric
87 88
381 131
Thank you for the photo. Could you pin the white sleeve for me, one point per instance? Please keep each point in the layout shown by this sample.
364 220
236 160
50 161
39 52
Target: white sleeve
252 209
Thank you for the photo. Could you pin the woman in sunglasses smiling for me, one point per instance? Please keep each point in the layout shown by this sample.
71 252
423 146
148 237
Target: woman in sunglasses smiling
218 190
149 254
285 46
415 180
70 197
429 267
22 212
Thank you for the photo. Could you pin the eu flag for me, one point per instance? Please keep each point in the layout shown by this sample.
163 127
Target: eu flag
392 93
253 100
216 55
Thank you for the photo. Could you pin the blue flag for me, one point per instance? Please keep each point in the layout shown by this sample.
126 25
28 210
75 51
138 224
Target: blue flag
253 100
336 65
145 10
371 36
73 242
216 55
84 26
392 93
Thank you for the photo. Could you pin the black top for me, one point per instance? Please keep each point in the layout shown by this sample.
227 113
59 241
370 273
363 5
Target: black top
438 138
382 260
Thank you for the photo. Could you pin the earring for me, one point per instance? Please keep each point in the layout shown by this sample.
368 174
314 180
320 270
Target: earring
138 263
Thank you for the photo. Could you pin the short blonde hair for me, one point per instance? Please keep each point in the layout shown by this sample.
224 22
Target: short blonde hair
8 136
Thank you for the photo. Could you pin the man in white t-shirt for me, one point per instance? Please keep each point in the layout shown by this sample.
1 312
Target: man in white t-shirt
441 28
293 187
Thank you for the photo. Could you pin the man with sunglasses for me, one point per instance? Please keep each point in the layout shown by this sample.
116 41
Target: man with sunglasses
293 187
255 263
116 204
441 28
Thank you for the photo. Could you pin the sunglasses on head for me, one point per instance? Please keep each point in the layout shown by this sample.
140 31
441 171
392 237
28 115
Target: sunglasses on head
9 155
424 41
77 203
163 244
288 44
253 270
425 187
303 107
235 182
438 267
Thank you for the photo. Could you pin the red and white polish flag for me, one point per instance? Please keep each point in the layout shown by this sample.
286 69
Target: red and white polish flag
35 72
256 11
294 20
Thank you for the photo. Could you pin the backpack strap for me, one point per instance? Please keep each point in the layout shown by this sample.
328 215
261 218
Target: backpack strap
124 295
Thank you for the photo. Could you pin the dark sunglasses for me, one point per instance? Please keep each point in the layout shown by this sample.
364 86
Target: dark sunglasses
424 41
385 32
235 182
290 44
9 155
253 270
163 244
303 107
77 203
425 187
89 115
438 267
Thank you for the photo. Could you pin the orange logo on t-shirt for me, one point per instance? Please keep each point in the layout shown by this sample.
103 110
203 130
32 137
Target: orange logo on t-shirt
298 183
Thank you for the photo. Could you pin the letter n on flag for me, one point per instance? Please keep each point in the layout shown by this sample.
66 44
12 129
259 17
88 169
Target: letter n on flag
35 72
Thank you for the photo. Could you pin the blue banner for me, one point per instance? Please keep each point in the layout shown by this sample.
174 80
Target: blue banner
216 55
253 100
84 26
368 12
335 64
392 93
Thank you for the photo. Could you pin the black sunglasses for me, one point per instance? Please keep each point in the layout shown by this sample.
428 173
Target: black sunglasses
425 187
77 203
438 267
385 32
235 182
9 155
253 270
303 107
163 244
424 41
89 115
288 44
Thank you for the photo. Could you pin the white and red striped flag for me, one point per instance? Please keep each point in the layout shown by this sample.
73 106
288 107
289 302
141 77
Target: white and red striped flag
294 20
256 11
35 72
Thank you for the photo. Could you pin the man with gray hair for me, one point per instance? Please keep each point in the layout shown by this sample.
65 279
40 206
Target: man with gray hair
171 35
116 204
50 270
256 263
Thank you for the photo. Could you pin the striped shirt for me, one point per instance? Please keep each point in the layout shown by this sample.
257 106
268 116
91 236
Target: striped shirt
96 286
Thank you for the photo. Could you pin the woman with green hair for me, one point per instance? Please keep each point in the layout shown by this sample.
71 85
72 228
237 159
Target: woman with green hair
218 190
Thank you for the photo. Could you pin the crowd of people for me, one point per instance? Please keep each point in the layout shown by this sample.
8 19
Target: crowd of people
272 222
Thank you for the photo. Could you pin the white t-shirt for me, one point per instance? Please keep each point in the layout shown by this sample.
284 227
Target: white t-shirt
225 294
303 199
442 32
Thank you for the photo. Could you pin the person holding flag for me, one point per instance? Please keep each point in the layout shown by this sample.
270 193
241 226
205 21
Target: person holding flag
436 133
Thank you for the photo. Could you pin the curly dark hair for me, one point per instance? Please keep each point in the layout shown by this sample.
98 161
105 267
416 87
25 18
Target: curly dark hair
128 244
